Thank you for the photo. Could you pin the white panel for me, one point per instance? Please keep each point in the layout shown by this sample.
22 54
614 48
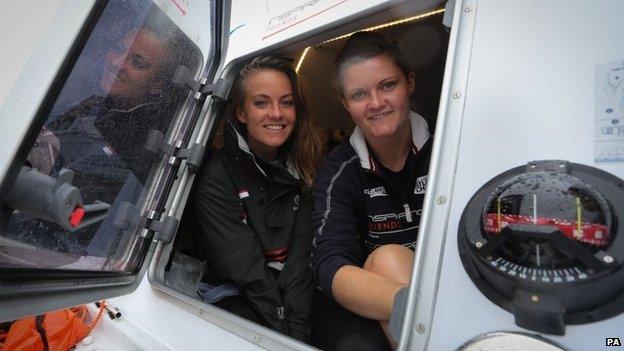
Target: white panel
18 19
530 96
39 70
154 321
258 24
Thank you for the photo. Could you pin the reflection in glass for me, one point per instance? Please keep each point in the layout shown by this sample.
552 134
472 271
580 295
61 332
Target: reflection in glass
119 90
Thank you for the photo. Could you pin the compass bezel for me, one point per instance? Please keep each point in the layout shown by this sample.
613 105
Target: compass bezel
597 296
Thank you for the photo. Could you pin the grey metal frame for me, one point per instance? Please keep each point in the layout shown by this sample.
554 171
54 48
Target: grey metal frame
45 295
433 226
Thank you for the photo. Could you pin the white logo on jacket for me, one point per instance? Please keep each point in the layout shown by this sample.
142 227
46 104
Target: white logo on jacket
374 192
296 202
421 185
388 216
243 193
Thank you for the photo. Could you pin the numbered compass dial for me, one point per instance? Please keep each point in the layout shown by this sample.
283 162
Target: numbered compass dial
543 242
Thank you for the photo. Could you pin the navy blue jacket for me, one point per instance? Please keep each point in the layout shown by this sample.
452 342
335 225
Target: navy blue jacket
357 208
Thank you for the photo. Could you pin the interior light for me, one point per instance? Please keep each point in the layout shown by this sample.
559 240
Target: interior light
390 24
305 52
373 28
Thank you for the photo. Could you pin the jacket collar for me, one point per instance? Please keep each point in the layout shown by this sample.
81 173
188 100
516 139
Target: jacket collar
105 103
420 135
241 144
137 107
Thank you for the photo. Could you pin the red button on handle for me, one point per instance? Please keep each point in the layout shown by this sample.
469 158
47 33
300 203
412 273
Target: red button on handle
76 217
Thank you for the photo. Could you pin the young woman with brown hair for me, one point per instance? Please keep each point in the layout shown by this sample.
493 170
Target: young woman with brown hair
253 204
368 197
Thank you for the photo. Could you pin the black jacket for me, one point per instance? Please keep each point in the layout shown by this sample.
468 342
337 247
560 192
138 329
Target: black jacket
254 224
359 206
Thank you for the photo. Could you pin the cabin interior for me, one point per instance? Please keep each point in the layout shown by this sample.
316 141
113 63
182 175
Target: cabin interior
422 38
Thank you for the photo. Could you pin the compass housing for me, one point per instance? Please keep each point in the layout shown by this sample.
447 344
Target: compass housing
543 241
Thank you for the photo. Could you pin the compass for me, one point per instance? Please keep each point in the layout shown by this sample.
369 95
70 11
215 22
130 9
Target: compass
543 242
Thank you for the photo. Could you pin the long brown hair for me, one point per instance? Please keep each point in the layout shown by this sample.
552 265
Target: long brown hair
304 145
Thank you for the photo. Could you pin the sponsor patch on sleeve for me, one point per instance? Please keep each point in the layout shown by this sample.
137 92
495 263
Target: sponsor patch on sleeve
421 185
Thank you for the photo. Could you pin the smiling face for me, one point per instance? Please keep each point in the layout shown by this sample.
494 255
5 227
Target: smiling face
268 111
131 71
376 93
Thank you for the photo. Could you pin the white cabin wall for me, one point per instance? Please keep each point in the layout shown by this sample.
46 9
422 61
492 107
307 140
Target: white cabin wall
529 96
252 23
49 29
15 52
152 320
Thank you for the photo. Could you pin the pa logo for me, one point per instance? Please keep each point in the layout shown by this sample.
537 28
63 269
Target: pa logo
614 342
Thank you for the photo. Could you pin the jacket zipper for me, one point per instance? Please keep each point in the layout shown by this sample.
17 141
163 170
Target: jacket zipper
408 212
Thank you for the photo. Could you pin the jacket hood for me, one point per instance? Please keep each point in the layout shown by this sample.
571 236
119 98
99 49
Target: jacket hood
234 141
420 135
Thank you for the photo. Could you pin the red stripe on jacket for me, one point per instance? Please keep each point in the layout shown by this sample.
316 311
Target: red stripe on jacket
279 255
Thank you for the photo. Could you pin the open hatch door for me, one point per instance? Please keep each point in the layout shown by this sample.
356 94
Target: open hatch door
99 120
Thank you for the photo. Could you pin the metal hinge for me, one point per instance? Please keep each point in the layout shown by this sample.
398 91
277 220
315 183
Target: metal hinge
219 90
165 229
128 218
193 155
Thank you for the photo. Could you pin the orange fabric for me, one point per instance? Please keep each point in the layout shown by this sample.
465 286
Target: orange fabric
63 330
23 336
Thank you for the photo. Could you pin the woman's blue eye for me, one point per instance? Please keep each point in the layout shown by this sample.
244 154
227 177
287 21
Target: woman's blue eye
260 103
288 103
358 95
389 85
